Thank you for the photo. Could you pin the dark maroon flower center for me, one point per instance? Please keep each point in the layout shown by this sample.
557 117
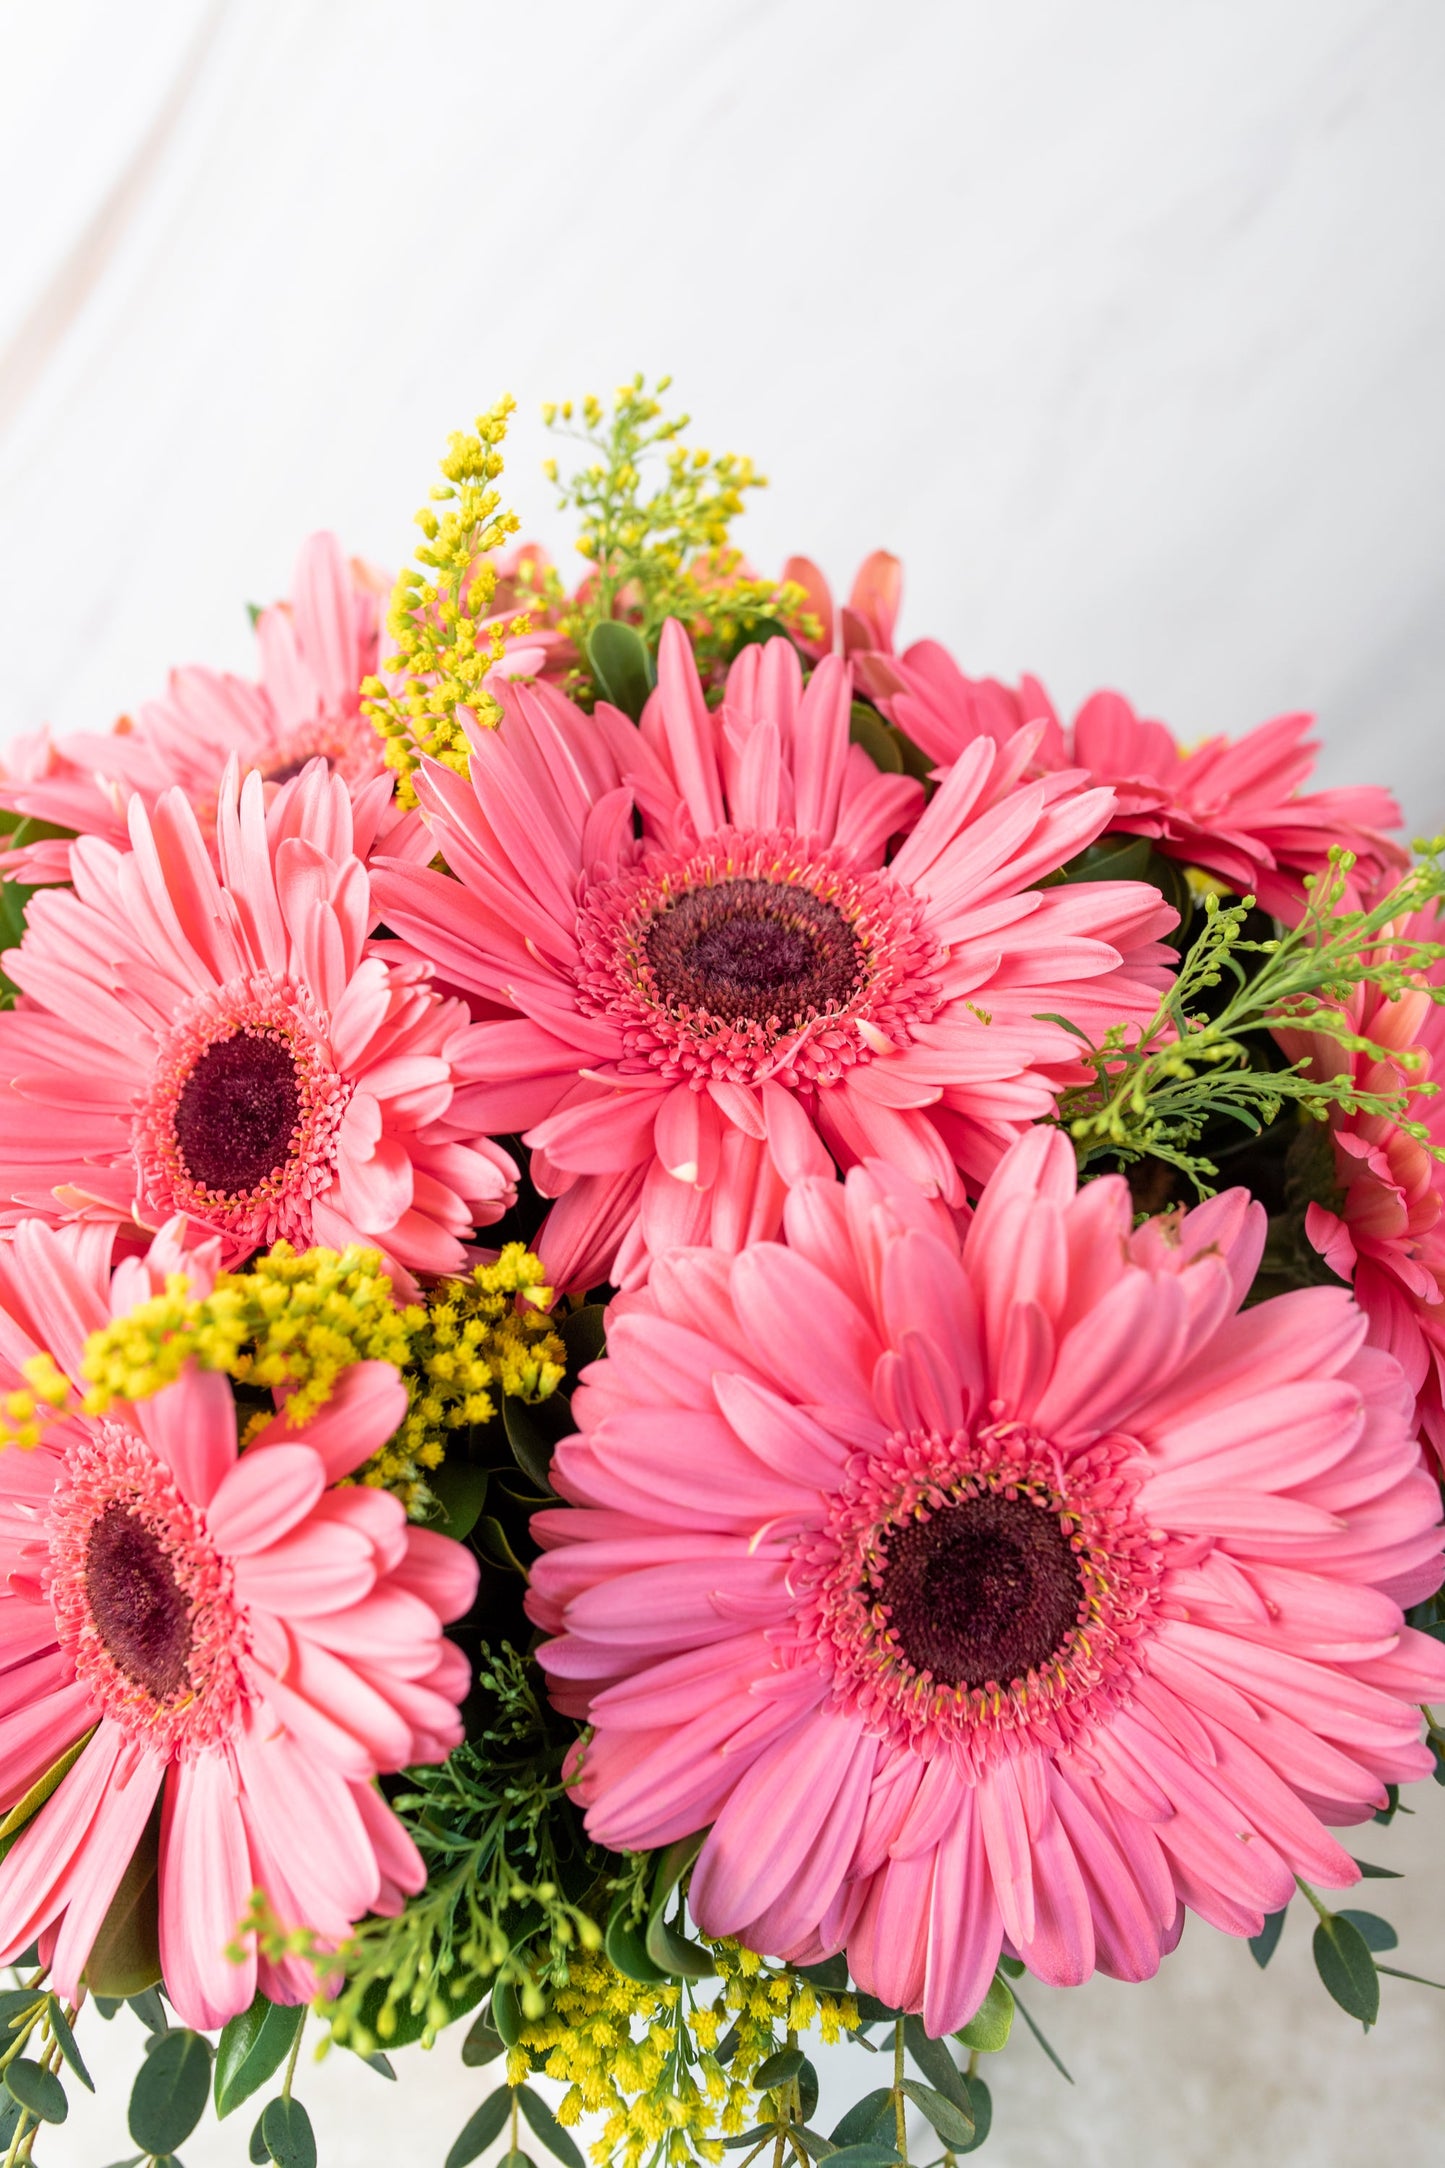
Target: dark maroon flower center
140 1611
286 771
982 1592
237 1113
753 951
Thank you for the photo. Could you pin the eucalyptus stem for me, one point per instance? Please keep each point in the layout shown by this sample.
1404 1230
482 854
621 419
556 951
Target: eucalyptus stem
291 2063
900 2108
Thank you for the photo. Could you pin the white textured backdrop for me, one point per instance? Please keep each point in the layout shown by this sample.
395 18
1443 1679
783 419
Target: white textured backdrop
1123 323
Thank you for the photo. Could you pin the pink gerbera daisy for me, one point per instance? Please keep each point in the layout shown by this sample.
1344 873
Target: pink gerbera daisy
1006 1595
315 650
222 1045
232 1634
1233 808
1378 1219
714 964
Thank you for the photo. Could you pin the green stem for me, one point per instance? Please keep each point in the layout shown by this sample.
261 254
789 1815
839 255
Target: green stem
291 2064
900 2109
1318 1902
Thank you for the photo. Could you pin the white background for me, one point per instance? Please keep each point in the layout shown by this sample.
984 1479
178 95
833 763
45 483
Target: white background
1121 322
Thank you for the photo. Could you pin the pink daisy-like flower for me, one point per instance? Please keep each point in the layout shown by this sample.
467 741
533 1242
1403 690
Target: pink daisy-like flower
1233 808
693 1016
222 1044
315 650
232 1635
1382 1228
1012 1594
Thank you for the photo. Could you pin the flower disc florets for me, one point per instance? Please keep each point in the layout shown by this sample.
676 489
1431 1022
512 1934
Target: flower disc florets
758 955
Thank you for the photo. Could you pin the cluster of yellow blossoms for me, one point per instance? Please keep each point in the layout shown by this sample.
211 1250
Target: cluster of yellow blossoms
643 2058
440 615
294 1322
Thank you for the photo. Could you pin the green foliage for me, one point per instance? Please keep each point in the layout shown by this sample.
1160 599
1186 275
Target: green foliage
251 2049
512 1881
1197 1062
169 2096
655 520
285 2132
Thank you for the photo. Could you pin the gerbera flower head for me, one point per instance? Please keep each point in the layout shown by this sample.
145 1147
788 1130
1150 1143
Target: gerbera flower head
315 650
764 979
219 1043
241 1640
1011 1592
1234 808
1378 1215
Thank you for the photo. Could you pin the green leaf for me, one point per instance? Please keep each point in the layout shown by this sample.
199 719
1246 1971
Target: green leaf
778 2070
988 2029
953 2124
1113 858
557 2141
626 1948
259 2151
481 2128
39 2090
866 727
811 2142
506 2009
678 1957
583 1333
874 2012
934 2060
1418 1978
1262 1945
64 2039
40 1791
483 2043
1343 1962
168 2098
381 2064
864 2117
1043 2043
831 1975
493 1539
125 1958
287 2133
1377 1934
807 2090
403 2025
621 665
1391 1808
19 2002
252 2048
460 1489
149 2008
864 2156
1378 1874
982 2100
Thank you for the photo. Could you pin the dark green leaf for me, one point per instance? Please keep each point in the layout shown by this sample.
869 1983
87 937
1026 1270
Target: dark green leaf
168 2098
19 2002
742 2138
1262 1945
493 1539
546 2126
286 2128
871 2155
626 1948
1013 1966
399 2025
125 1958
807 2091
874 2012
64 2039
132 2160
584 1335
10 2114
260 2152
779 2069
811 2142
39 2090
982 2100
1043 2043
1343 1962
507 2012
953 2124
672 1951
481 2128
151 2011
988 2029
934 2060
1391 1807
1113 858
381 2064
864 2117
515 2160
106 2006
831 1975
460 1489
1378 1874
621 665
867 728
1377 1934
252 2048
531 1438
483 2043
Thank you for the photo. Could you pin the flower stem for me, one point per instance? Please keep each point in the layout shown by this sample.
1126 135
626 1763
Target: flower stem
900 2110
291 2065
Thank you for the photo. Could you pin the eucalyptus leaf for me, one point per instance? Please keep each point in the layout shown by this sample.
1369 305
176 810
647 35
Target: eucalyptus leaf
39 2090
1262 1946
507 2012
125 1958
626 1946
483 2043
779 2069
953 2123
982 2101
481 2128
460 1489
64 2039
934 2060
1343 1961
621 666
286 2129
831 1975
864 2117
252 2048
807 2091
1378 1874
150 2009
1377 1934
868 2155
381 2064
169 2096
673 1952
559 2143
988 2029
1055 2059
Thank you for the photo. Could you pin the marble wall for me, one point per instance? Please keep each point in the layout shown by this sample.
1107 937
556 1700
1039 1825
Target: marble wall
1122 323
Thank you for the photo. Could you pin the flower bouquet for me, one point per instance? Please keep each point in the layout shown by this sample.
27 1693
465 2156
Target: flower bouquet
710 1337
